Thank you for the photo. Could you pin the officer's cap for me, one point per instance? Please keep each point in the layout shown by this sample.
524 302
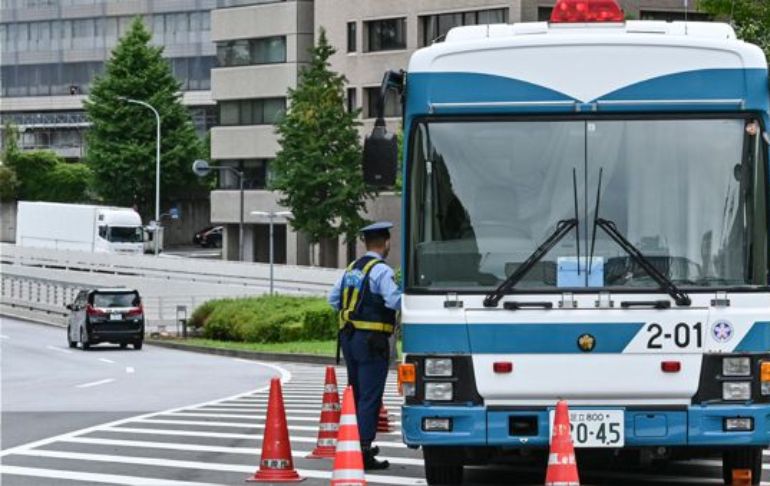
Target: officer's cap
377 229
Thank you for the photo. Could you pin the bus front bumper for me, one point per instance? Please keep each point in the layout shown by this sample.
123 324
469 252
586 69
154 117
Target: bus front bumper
644 427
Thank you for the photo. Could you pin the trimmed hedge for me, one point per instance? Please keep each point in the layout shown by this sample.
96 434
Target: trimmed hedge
266 319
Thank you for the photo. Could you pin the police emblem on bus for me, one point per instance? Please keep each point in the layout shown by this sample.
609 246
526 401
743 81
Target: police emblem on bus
586 343
722 331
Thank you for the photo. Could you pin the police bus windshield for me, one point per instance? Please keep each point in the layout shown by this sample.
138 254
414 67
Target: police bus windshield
688 193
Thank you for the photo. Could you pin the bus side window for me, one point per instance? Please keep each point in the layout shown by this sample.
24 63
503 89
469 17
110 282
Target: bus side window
103 232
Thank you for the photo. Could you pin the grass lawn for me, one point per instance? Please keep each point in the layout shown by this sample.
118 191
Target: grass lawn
321 348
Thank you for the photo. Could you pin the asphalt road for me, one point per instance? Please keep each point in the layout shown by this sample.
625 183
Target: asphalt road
182 419
48 389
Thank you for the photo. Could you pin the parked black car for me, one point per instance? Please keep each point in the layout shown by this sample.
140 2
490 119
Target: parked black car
209 237
106 316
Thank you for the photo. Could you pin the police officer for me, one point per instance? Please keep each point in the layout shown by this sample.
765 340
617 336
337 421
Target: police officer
367 299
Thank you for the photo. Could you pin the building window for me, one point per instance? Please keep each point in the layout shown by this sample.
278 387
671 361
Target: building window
256 174
263 111
352 102
435 27
671 16
351 37
544 14
392 103
242 52
385 35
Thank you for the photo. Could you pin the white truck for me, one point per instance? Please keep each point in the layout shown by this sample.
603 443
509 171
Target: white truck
79 227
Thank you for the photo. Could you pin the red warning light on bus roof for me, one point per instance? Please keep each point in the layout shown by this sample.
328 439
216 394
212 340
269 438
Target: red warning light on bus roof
583 11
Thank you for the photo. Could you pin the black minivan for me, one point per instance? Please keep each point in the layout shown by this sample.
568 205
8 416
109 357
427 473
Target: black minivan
106 316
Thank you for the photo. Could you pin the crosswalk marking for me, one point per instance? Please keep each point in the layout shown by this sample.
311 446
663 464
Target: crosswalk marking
208 466
251 451
93 477
225 436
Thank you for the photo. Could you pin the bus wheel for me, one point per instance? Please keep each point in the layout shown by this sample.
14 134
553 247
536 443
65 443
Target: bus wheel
442 467
742 458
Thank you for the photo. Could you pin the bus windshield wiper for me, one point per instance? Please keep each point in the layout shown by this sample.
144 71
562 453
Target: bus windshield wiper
680 297
562 229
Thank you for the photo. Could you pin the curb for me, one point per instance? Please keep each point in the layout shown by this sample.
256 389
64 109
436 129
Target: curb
24 317
251 355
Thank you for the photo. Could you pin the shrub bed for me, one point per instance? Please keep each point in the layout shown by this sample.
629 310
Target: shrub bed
266 319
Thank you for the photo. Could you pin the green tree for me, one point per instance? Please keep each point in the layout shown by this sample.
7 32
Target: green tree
751 18
121 141
9 184
318 167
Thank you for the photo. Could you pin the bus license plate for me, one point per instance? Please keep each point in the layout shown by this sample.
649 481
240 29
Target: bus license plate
116 317
595 428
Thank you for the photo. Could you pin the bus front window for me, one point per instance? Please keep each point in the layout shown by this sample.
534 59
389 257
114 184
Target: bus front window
483 195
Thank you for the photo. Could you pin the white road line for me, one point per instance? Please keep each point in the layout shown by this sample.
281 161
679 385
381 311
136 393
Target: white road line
93 477
285 376
206 466
129 369
177 446
241 360
61 350
223 435
95 383
289 418
315 400
263 409
105 360
240 425
3 336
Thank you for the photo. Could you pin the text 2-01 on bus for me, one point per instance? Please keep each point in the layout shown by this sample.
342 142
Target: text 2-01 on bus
586 218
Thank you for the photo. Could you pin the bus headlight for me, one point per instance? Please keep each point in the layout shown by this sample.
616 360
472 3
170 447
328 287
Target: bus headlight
736 390
438 367
438 392
736 366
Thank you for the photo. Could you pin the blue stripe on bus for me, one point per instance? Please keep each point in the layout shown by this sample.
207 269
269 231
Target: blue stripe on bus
747 85
757 340
517 338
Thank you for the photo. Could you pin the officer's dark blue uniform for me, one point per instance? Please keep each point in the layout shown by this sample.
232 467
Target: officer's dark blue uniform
367 299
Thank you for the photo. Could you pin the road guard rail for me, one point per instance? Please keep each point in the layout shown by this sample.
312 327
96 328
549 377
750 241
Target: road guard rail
43 281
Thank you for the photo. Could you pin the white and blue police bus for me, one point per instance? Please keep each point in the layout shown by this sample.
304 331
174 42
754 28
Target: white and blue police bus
585 217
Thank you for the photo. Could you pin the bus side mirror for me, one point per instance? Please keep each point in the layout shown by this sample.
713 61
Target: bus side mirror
380 162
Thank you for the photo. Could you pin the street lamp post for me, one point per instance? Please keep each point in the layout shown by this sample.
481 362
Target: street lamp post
271 217
202 168
157 166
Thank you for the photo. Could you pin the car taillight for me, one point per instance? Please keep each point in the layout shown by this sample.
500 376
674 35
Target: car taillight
135 311
92 311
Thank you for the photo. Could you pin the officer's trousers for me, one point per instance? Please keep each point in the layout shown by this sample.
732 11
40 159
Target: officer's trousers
367 364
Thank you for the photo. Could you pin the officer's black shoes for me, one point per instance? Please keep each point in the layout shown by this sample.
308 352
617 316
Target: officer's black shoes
371 463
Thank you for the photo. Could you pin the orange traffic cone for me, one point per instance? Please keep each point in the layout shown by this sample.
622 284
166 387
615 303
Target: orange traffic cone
276 465
383 423
330 419
562 467
348 460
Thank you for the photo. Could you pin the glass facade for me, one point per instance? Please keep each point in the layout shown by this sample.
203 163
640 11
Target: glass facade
260 111
351 37
92 37
242 52
435 27
385 34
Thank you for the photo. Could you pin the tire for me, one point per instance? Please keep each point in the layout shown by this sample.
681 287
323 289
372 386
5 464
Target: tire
138 345
742 458
84 340
72 344
442 468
